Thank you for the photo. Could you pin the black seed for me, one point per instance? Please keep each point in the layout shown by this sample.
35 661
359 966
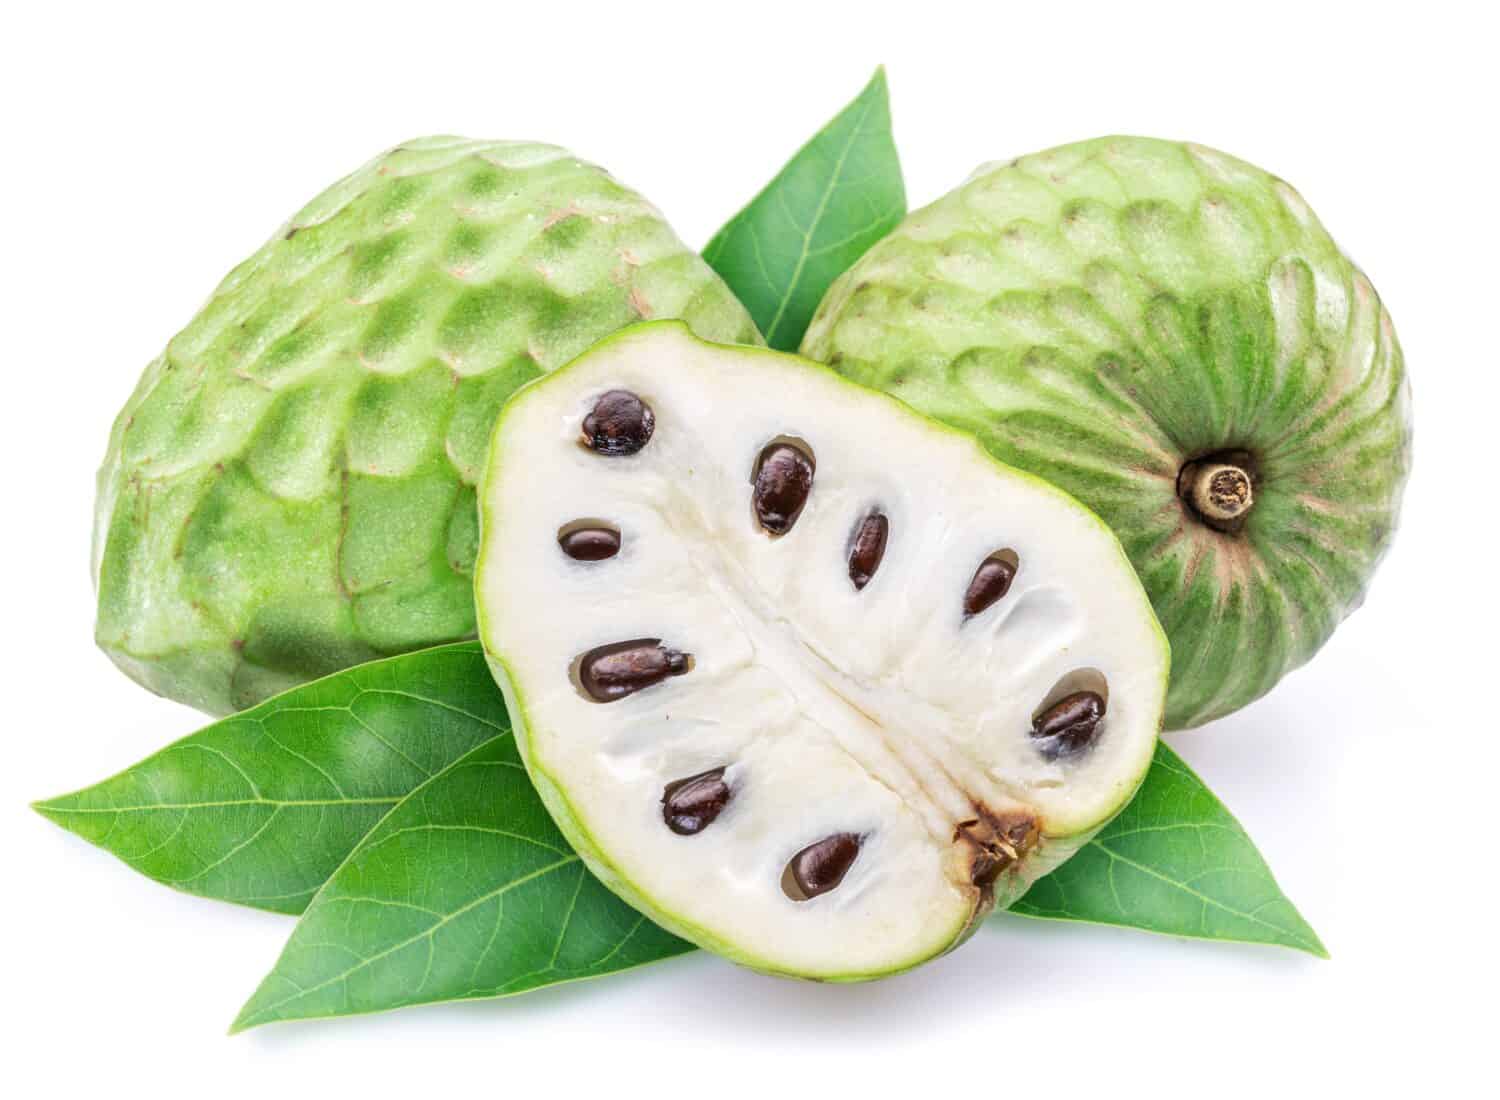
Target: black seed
690 805
820 867
1069 726
614 671
619 424
783 481
991 581
590 543
867 549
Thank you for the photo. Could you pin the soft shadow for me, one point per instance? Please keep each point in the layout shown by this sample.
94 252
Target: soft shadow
1012 968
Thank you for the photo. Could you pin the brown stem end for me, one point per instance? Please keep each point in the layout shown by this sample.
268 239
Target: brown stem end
1220 491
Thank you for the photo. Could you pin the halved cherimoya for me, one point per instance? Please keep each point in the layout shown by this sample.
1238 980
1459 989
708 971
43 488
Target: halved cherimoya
809 679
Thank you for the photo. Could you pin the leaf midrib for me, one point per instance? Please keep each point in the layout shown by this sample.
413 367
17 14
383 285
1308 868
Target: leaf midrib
425 934
1205 899
828 190
278 803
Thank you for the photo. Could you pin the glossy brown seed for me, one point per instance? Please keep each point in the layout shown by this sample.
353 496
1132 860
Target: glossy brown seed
690 805
590 543
1069 726
783 481
820 867
867 549
614 671
991 582
620 423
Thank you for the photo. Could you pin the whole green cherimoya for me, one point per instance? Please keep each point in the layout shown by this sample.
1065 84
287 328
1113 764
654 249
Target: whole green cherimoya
290 488
1169 334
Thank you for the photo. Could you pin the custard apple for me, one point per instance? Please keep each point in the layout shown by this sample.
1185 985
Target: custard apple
1170 335
807 678
290 488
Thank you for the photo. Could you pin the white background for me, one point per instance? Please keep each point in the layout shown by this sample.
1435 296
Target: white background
146 150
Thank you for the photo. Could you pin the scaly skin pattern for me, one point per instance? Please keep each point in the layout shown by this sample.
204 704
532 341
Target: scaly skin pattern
290 488
1104 314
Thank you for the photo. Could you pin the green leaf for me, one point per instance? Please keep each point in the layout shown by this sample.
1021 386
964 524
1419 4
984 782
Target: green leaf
840 194
262 807
465 890
1174 861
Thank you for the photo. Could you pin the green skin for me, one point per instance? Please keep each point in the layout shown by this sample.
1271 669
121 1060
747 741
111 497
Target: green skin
290 489
574 821
1108 314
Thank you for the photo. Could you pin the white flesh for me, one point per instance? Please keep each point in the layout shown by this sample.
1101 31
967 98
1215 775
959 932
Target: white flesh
881 712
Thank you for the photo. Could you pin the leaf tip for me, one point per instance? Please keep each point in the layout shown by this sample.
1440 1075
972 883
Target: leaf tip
876 90
243 1021
50 808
